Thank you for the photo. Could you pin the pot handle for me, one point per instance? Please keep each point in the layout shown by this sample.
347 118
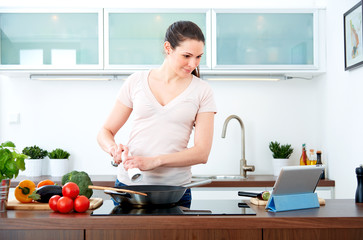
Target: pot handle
248 194
123 194
197 183
116 190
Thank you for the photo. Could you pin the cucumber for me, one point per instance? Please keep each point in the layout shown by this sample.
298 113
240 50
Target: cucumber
44 193
265 195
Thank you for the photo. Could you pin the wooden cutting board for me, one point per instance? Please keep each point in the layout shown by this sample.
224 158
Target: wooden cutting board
259 202
14 204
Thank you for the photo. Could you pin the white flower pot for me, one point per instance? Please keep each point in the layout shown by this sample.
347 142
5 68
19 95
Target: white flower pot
45 167
58 167
33 167
278 163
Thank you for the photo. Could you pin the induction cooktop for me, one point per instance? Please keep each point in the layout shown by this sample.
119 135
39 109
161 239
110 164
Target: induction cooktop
197 207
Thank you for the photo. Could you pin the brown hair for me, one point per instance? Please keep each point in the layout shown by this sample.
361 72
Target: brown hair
181 31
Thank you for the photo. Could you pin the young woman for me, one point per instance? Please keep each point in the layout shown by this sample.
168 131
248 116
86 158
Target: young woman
167 103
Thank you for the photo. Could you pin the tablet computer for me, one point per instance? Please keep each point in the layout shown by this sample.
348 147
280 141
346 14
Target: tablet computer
294 189
297 179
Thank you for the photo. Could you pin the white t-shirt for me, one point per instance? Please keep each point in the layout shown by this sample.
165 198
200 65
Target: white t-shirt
161 129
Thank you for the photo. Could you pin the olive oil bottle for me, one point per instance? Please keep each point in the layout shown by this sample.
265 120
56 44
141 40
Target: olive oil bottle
312 157
304 157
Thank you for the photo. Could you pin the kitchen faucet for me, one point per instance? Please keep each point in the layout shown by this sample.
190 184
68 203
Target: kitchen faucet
243 162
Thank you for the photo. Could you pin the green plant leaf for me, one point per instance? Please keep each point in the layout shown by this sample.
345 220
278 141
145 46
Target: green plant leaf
58 154
5 154
10 161
11 167
20 162
8 144
35 152
280 151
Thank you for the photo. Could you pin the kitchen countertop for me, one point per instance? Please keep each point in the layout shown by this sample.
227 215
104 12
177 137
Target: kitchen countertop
341 210
251 181
338 219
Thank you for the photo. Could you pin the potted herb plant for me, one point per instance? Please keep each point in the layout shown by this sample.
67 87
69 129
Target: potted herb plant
281 155
58 162
35 161
11 162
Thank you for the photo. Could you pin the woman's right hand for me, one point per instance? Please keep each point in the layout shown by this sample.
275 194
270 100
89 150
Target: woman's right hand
116 152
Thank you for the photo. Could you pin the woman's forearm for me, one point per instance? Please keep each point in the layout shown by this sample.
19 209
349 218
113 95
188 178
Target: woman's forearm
106 139
188 157
117 118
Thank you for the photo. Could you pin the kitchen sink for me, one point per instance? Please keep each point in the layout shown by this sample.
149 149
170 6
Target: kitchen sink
218 177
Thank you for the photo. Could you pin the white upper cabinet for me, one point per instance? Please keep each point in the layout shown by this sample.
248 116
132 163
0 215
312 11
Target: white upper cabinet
123 40
53 39
265 39
134 39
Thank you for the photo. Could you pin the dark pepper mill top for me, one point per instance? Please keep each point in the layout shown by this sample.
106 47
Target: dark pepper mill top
359 170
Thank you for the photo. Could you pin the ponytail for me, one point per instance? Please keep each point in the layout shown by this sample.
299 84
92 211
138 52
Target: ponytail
196 72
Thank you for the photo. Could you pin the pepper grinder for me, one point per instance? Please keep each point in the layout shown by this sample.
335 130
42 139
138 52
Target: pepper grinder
359 192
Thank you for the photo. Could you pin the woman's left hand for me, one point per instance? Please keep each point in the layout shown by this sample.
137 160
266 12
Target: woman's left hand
143 163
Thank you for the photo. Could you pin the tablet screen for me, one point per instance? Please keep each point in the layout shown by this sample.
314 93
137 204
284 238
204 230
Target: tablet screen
297 179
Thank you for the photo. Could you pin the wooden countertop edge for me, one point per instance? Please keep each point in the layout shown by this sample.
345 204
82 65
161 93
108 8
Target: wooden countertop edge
182 222
253 181
337 213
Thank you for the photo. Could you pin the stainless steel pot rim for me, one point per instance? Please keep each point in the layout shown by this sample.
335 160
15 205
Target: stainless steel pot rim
151 188
156 194
148 191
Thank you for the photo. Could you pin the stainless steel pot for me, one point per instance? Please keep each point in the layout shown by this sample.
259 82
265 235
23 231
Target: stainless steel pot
156 194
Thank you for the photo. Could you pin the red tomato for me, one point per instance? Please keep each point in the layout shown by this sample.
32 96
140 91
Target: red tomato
53 202
65 205
70 189
81 204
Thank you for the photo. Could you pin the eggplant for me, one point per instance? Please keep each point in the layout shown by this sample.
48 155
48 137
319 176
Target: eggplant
44 193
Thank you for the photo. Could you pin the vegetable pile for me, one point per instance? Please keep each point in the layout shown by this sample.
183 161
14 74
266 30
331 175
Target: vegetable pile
82 180
44 193
73 196
27 191
71 200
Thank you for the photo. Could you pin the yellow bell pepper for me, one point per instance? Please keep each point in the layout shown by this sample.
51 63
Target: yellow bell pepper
23 190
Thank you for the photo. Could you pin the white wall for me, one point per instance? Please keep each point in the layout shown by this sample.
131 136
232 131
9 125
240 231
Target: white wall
68 114
343 112
325 112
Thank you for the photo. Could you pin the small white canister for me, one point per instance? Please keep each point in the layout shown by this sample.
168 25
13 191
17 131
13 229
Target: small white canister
135 174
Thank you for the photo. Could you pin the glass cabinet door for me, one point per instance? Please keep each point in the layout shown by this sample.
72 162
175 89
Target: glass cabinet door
51 40
134 40
260 40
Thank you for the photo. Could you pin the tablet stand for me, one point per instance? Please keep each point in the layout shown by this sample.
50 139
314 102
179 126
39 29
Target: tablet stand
279 203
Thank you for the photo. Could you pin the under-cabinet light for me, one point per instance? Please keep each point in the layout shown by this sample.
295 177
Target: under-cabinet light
246 78
81 77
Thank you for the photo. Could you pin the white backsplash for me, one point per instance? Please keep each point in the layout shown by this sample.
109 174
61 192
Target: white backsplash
68 115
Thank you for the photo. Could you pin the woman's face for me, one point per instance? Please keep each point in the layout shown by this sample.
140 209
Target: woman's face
185 57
